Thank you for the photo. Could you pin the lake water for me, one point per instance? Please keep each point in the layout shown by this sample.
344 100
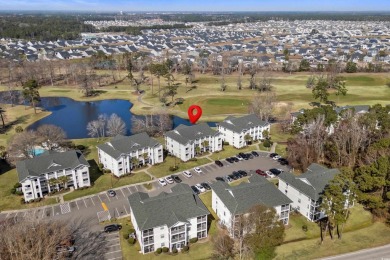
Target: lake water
73 116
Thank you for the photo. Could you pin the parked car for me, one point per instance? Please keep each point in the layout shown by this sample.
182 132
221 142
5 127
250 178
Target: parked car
272 155
197 170
169 179
111 193
206 185
230 160
220 179
112 228
243 173
228 179
276 157
275 172
238 175
235 159
270 174
283 161
195 190
261 173
162 182
187 174
239 158
176 178
233 177
219 163
256 154
249 155
200 187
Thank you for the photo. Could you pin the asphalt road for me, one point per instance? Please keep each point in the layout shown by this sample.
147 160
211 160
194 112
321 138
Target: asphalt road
87 212
378 253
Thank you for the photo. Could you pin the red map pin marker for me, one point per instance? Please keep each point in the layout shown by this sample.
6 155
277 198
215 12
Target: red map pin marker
194 117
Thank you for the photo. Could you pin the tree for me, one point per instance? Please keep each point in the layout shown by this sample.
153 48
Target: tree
320 90
22 145
198 150
134 161
2 115
97 128
31 93
223 246
205 145
265 83
64 181
159 70
351 67
53 182
51 135
115 126
340 87
248 138
304 65
262 105
172 91
18 129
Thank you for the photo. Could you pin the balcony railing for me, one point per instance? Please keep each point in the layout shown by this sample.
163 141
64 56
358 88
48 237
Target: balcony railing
146 233
203 219
176 231
202 227
174 240
148 242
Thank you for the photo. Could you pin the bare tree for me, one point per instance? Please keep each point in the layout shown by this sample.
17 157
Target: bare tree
265 82
21 146
51 135
97 128
115 126
263 105
223 246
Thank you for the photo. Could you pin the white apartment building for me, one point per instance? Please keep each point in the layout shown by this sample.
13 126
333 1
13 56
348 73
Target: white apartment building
229 202
34 174
234 129
168 219
182 141
116 155
305 190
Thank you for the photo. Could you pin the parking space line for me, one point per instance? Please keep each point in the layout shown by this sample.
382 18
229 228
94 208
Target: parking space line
25 213
99 198
117 212
123 193
128 187
7 215
53 211
108 197
115 258
125 209
136 188
43 212
117 238
114 245
92 201
85 203
15 217
77 205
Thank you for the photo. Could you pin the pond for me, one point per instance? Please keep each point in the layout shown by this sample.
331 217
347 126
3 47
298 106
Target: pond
73 116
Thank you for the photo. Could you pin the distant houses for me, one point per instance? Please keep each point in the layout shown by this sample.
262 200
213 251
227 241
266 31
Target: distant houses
52 171
123 153
185 142
239 131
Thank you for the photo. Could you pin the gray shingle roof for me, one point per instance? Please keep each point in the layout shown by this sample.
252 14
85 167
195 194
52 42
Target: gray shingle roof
312 182
184 134
126 144
166 208
50 161
357 109
239 199
241 123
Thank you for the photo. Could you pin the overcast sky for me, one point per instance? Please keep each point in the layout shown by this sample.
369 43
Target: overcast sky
199 5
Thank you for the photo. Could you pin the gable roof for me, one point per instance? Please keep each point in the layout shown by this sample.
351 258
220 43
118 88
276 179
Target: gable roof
239 124
166 208
184 134
239 199
126 144
312 182
50 161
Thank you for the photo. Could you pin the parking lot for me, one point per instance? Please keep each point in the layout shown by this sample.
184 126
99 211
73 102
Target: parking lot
112 246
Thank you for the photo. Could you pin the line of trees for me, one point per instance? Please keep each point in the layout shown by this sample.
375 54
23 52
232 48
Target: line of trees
106 126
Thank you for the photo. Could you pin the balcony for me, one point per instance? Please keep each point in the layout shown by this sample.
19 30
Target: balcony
201 227
147 233
177 230
201 219
178 239
148 242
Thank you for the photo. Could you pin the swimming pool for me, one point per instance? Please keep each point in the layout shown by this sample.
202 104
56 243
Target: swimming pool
37 151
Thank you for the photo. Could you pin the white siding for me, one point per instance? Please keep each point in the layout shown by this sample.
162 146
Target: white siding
237 139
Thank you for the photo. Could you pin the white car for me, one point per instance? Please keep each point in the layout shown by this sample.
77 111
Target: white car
197 170
200 187
270 174
162 182
276 157
239 158
169 179
187 174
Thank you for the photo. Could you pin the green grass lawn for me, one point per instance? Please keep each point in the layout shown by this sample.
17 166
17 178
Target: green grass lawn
229 150
377 234
104 183
162 169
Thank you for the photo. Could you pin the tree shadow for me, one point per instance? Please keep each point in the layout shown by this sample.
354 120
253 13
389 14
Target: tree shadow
10 125
5 166
94 171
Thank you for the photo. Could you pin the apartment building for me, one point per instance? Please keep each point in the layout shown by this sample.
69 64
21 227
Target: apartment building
229 202
117 154
168 219
185 142
236 130
305 190
36 174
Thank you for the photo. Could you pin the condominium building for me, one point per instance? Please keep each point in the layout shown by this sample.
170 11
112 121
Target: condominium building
35 174
168 219
117 154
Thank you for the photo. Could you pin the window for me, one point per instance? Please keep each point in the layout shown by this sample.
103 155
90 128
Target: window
162 244
299 200
161 228
162 236
285 191
224 213
298 208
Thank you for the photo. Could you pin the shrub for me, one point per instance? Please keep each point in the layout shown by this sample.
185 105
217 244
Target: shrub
165 249
100 166
13 190
19 192
158 250
173 168
17 185
131 241
267 143
80 147
22 201
174 251
193 240
304 228
185 249
193 159
225 143
18 129
125 235
132 230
